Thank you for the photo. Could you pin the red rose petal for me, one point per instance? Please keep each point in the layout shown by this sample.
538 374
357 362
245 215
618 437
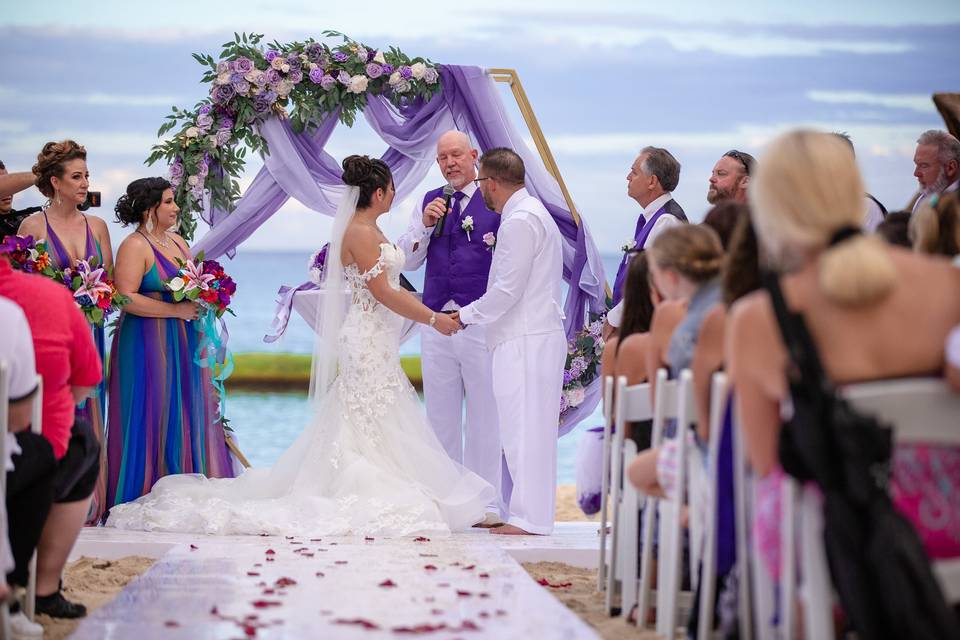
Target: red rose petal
428 555
483 614
270 552
271 559
421 539
369 539
339 562
252 573
463 594
366 624
269 592
470 567
316 539
484 595
483 575
387 583
258 564
193 547
320 574
171 623
430 567
284 582
264 604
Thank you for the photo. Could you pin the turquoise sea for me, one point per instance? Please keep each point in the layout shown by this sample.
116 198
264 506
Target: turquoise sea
267 423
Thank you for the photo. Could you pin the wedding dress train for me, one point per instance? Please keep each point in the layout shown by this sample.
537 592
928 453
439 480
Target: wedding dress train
369 464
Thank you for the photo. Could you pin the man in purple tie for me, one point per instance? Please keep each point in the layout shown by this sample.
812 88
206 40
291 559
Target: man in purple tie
653 175
454 233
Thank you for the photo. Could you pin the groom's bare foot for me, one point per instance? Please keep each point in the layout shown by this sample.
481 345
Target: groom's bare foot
511 530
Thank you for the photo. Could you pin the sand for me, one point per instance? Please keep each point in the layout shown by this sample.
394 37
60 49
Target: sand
95 582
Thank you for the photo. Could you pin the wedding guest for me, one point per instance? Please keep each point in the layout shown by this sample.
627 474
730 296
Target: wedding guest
854 293
13 183
67 361
653 175
10 218
29 466
456 368
876 212
522 309
730 177
62 176
895 228
937 161
935 227
724 218
157 428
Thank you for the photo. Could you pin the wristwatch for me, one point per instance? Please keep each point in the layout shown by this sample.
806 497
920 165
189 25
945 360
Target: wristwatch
433 318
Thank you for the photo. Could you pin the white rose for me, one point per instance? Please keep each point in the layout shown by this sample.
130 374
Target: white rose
176 283
303 57
224 78
358 84
252 76
312 66
395 77
379 59
193 180
192 132
285 68
278 63
418 69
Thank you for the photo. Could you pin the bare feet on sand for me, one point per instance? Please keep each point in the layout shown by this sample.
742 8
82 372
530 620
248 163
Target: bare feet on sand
510 530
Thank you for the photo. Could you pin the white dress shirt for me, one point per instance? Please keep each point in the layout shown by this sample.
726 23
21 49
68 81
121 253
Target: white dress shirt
954 186
874 215
664 222
523 289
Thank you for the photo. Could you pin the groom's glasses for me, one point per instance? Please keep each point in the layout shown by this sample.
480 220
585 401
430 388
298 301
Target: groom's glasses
479 180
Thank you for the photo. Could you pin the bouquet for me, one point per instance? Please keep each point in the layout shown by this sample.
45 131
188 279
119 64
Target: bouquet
204 282
317 263
26 255
93 292
582 367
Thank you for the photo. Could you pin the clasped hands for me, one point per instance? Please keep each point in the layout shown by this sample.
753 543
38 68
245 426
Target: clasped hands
448 323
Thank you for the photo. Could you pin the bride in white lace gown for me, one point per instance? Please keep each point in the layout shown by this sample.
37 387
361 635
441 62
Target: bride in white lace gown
369 463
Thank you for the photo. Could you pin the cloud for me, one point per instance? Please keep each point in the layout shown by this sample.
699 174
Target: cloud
96 98
921 103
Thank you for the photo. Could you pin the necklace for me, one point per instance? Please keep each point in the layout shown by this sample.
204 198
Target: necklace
163 242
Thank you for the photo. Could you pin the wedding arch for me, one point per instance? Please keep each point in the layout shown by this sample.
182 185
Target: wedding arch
284 101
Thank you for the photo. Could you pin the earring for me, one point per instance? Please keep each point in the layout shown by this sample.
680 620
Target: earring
149 224
58 198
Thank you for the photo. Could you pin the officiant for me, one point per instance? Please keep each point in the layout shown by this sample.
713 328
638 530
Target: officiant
454 233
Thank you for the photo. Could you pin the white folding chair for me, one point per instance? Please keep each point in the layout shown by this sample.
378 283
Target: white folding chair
922 411
36 425
708 567
632 405
743 493
4 420
664 408
603 567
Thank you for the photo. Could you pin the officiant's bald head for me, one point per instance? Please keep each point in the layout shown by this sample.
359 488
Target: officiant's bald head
456 158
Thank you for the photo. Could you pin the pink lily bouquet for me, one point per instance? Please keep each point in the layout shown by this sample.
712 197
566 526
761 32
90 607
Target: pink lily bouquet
204 282
93 291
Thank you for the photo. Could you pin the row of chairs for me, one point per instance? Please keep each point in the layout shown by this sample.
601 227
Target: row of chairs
921 410
36 422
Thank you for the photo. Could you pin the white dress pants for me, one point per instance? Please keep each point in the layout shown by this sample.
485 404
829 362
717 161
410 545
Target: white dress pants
455 368
527 381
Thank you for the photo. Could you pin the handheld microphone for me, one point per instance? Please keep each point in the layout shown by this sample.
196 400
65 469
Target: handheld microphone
448 192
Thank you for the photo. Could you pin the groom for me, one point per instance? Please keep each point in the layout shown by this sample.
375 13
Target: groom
457 367
521 311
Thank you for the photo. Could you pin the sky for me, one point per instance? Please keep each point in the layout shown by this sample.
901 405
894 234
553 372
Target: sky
605 79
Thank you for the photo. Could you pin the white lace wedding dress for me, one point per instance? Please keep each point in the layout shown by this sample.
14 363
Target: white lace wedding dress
370 463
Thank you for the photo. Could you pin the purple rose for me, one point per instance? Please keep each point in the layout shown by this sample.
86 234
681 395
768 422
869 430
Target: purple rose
405 72
386 68
224 93
273 76
236 77
243 65
363 54
226 123
224 135
374 70
340 56
294 62
328 82
295 76
205 109
271 54
176 170
260 105
270 96
313 51
430 76
242 88
567 378
316 75
204 121
344 78
223 66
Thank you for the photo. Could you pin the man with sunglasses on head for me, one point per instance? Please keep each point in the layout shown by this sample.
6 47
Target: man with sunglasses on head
450 232
731 177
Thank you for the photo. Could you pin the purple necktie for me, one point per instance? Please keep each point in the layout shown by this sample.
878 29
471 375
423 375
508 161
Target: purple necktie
456 210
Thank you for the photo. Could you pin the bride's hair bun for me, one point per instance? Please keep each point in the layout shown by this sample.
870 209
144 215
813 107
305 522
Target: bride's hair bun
367 174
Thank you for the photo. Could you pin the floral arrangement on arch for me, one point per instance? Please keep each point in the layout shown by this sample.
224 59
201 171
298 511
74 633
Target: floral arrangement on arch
582 366
301 80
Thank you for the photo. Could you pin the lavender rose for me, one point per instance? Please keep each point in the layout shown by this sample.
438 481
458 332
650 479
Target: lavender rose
224 93
374 70
273 76
223 67
226 123
205 121
430 76
205 109
176 169
316 75
223 135
328 82
406 72
340 56
344 78
260 105
294 61
314 52
243 65
295 76
242 88
387 68
271 54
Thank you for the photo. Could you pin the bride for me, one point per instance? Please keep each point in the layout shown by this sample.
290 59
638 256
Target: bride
369 463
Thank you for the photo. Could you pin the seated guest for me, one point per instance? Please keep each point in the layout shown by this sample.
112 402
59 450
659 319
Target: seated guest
67 361
935 227
876 212
10 218
855 294
730 177
895 229
29 466
724 218
937 161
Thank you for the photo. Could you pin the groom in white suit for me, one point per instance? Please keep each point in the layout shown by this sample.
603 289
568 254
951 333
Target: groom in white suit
523 316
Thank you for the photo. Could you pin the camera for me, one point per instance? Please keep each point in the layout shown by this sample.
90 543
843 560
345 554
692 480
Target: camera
93 200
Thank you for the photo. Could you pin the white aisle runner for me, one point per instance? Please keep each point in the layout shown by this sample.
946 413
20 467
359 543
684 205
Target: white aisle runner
461 586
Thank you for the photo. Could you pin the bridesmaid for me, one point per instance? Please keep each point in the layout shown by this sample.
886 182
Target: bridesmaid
163 409
62 175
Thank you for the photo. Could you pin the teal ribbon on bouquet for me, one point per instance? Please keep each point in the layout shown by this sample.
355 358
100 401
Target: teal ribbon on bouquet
212 353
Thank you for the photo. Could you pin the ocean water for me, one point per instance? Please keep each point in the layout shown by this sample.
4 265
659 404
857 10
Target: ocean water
267 423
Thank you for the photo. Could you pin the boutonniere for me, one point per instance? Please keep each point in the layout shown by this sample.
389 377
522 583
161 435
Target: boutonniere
467 225
490 240
629 245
